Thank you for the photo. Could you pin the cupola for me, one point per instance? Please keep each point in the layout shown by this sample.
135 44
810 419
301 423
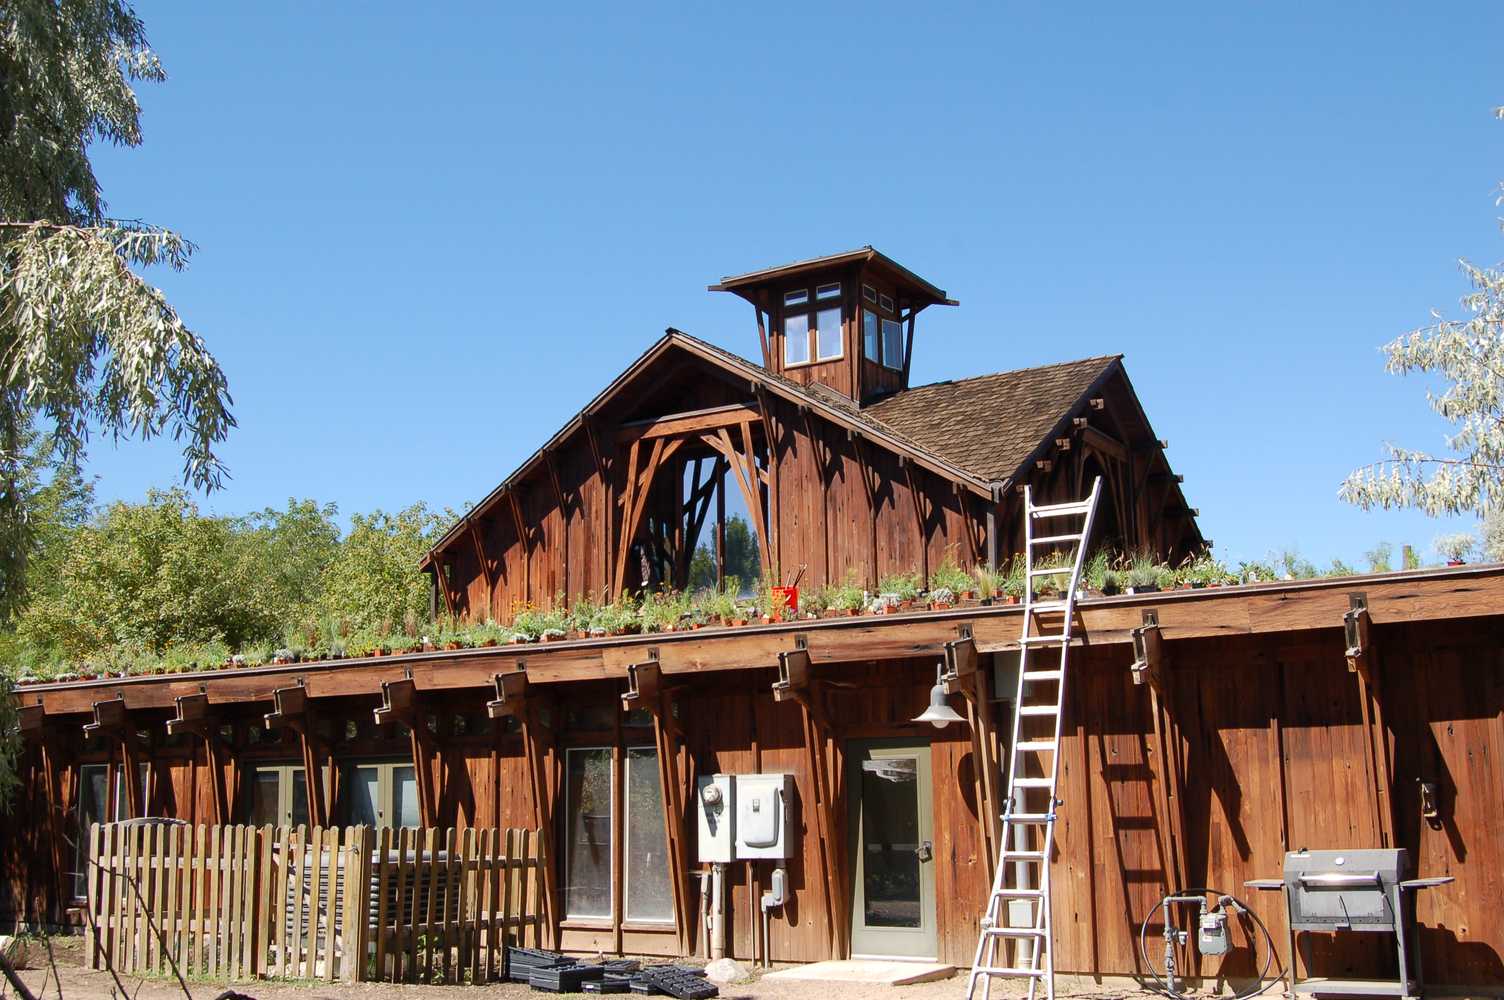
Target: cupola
845 321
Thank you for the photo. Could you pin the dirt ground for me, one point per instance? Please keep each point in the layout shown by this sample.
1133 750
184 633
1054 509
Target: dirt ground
79 983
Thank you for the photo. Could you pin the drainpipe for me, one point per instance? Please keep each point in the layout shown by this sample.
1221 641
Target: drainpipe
717 911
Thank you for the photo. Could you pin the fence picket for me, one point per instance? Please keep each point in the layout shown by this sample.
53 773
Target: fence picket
327 904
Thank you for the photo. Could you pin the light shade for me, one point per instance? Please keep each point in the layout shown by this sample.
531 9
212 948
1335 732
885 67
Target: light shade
940 713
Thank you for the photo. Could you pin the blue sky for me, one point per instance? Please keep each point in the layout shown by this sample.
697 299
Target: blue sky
428 236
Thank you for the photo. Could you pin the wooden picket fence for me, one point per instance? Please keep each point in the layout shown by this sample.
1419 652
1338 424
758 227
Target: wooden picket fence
351 904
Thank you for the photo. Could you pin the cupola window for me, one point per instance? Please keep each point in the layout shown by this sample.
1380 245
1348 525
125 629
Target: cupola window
812 327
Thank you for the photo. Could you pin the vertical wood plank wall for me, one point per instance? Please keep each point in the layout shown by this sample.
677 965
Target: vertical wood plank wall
1238 700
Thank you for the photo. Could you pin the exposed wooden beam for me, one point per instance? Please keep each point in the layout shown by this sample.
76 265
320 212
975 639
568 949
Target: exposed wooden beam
515 699
964 675
690 422
1149 669
111 722
487 572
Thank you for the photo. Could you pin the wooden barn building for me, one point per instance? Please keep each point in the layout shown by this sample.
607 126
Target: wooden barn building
1257 732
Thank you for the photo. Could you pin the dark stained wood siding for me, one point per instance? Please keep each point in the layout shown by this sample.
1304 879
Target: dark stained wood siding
1238 701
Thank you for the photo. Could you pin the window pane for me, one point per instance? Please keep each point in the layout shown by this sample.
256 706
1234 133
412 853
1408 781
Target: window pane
93 783
868 293
828 334
122 804
869 335
299 798
405 796
831 291
890 837
892 343
796 339
796 298
887 303
649 893
587 838
266 790
364 796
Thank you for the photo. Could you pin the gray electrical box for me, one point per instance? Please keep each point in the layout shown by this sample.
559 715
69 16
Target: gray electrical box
715 810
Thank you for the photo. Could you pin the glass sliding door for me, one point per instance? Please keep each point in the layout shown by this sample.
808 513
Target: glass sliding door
588 833
382 794
650 893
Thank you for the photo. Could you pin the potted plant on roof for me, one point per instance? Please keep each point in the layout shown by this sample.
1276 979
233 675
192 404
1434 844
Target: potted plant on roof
905 586
1455 548
949 576
1143 575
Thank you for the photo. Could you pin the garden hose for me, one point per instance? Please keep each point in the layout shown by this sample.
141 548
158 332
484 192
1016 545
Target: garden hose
1163 988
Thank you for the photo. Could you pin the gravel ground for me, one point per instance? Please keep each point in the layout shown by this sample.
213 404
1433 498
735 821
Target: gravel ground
79 983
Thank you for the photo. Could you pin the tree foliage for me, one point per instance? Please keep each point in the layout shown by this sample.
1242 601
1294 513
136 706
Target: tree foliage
1468 355
373 582
742 560
85 341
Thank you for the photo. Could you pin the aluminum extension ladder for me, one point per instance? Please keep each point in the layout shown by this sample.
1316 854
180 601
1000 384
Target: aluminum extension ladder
1017 917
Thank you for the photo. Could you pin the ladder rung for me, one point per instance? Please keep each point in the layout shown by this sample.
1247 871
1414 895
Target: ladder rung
1036 746
1033 782
1054 539
1061 509
1029 819
1047 607
1038 710
1023 855
1014 932
1043 675
1052 570
1003 970
1020 893
1042 640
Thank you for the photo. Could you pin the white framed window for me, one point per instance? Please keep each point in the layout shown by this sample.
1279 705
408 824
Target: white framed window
812 327
828 346
96 805
649 893
886 303
892 344
869 293
796 339
279 796
589 802
382 794
871 342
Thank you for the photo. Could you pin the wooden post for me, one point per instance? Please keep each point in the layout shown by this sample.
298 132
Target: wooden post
1149 668
1362 661
34 728
292 711
514 699
111 722
400 703
645 690
195 719
795 684
964 675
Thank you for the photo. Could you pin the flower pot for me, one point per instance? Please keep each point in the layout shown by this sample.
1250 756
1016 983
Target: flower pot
941 605
488 642
1146 589
969 595
451 645
1010 599
1455 562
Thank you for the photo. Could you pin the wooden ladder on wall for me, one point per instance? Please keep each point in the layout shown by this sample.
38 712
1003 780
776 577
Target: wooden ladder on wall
1016 937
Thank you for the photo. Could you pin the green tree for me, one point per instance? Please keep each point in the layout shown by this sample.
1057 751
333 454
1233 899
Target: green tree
373 581
1468 355
86 341
742 560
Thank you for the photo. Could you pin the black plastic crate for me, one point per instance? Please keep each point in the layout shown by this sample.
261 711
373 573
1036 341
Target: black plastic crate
565 978
678 982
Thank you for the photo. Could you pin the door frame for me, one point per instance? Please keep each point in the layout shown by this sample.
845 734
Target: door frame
917 944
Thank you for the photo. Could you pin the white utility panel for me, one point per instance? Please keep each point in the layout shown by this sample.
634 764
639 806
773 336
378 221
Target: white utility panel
762 815
715 806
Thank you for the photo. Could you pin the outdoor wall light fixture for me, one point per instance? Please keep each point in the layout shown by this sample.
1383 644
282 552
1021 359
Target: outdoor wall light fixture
939 713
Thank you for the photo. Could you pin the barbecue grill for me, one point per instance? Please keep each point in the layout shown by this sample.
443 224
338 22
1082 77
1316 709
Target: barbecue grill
1361 890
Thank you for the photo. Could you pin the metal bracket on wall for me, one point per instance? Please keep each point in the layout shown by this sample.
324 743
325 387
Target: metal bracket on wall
1148 649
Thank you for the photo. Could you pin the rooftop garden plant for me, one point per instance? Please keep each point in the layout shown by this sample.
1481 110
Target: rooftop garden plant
904 586
1455 548
949 576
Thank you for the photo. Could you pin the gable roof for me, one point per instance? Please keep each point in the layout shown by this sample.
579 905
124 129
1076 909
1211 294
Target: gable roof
991 425
935 425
